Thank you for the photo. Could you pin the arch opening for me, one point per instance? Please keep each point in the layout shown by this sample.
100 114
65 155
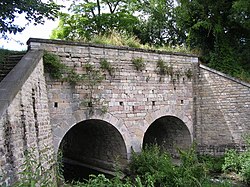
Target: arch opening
168 132
91 147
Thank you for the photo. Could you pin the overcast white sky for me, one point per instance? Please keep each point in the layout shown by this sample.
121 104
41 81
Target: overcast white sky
18 41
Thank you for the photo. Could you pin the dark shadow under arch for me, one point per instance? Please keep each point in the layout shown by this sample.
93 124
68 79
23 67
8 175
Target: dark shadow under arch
94 143
169 132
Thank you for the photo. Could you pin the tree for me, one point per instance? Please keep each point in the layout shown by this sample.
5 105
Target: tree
90 17
220 30
158 23
34 10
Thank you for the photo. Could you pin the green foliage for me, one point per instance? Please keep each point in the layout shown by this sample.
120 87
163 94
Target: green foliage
96 17
58 70
138 63
33 173
116 38
152 166
157 23
164 69
191 172
232 161
238 162
221 34
188 73
213 164
91 79
34 10
105 65
53 65
219 30
3 54
72 76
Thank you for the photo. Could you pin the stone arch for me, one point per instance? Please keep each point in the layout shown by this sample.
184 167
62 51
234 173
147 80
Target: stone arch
92 145
169 129
79 116
94 142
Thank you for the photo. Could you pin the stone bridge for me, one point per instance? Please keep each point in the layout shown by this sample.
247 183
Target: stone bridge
98 123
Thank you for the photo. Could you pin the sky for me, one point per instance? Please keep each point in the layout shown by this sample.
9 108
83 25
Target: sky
18 42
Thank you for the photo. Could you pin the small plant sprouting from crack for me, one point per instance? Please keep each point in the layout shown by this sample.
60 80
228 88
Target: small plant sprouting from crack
188 73
105 65
92 78
138 63
164 69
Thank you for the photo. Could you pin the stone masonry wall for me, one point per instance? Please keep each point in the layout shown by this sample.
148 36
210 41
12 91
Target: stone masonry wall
134 99
25 126
223 112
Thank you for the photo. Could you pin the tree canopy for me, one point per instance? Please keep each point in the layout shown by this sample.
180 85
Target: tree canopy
90 17
220 30
35 11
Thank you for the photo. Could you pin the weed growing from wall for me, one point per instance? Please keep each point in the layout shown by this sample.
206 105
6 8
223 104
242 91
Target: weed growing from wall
105 65
53 65
92 78
164 69
188 73
33 173
138 63
58 70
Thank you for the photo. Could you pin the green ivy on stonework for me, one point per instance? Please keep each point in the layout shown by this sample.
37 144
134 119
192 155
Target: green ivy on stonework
53 65
58 70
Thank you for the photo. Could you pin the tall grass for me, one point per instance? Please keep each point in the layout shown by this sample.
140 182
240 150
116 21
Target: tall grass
128 40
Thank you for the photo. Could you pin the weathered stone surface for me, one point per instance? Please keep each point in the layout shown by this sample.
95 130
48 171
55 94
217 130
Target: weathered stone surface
223 112
25 125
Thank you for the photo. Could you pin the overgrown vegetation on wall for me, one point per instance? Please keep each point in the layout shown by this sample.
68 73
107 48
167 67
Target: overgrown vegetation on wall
219 35
106 66
138 63
91 79
53 65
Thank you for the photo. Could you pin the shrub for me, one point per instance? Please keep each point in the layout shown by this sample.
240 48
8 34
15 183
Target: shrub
232 162
238 163
138 63
213 164
33 173
152 166
164 69
53 65
191 172
105 65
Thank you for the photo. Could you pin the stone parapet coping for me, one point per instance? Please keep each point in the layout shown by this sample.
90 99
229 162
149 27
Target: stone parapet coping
72 43
225 75
15 79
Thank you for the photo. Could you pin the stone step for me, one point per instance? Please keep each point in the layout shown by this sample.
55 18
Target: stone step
9 63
